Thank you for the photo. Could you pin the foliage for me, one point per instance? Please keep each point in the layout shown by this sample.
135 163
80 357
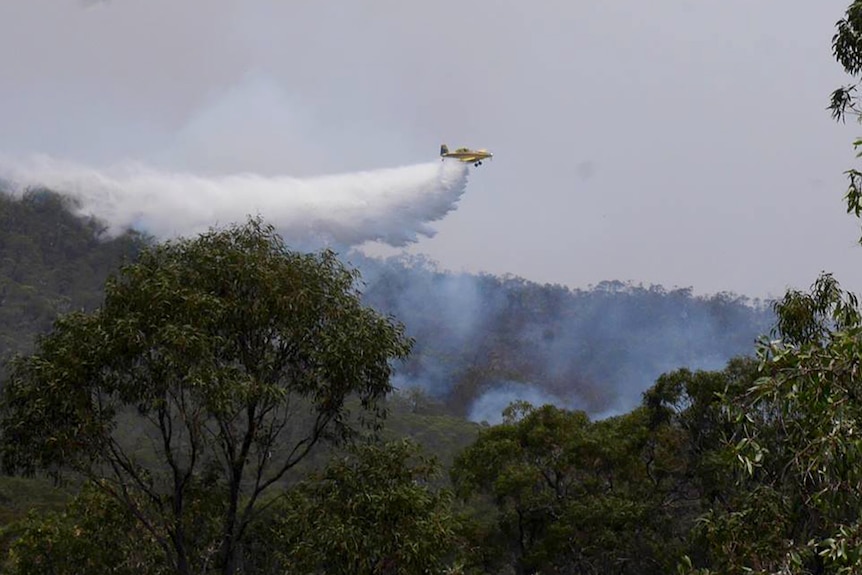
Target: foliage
372 513
234 355
812 318
795 445
51 262
571 495
412 414
18 495
689 406
95 535
847 49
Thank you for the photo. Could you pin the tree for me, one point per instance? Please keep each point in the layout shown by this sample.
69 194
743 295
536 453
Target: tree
794 438
51 261
374 512
94 535
570 495
226 358
847 49
687 411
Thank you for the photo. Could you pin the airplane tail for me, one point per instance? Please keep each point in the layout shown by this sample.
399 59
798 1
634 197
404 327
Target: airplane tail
444 149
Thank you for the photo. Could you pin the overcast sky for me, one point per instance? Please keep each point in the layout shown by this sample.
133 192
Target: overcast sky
678 142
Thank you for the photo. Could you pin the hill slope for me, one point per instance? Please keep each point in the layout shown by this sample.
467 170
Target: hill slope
51 262
481 340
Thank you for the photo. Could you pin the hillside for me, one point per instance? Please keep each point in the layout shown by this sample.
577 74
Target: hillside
481 340
51 262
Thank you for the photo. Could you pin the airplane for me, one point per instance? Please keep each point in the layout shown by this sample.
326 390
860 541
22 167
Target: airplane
465 155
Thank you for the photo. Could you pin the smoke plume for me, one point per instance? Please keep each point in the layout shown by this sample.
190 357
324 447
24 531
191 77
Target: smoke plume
394 206
484 341
489 406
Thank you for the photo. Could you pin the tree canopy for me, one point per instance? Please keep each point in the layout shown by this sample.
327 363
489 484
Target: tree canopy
568 495
375 512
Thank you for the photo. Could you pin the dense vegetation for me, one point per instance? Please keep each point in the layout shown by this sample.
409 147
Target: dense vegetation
51 262
179 405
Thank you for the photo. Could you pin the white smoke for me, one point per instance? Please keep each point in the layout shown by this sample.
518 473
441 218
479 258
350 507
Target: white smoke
394 206
489 406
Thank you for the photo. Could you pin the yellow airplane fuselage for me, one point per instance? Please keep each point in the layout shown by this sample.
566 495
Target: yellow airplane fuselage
466 155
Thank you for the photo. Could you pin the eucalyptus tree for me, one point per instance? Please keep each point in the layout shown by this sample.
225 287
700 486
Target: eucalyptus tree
222 361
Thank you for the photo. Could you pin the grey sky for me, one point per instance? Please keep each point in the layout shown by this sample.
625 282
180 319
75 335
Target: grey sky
675 142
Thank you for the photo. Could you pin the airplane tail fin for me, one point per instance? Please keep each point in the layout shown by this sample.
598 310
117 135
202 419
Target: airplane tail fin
444 149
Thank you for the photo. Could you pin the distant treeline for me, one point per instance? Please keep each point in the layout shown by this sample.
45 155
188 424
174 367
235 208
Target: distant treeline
481 340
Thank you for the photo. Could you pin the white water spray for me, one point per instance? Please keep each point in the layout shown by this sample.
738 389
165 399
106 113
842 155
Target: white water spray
394 206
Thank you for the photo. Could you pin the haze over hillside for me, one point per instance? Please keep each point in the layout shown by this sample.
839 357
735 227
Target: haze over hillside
481 340
484 340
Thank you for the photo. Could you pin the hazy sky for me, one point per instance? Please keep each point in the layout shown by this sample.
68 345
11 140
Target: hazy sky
677 142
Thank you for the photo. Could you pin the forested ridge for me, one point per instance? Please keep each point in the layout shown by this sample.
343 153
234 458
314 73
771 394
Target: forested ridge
225 404
51 262
476 336
481 339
